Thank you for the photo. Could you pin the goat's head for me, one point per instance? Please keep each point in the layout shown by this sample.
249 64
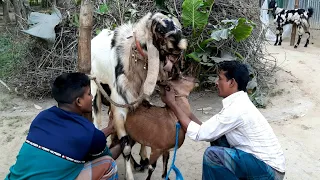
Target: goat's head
272 6
164 47
167 38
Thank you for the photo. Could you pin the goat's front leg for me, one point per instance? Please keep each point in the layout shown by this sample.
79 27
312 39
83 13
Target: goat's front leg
280 34
155 154
300 33
165 159
277 34
144 161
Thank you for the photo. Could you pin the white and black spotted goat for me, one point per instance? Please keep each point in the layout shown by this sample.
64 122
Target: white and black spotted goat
129 61
298 16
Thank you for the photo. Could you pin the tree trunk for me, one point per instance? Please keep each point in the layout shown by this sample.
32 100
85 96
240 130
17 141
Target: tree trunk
6 16
84 45
23 9
17 10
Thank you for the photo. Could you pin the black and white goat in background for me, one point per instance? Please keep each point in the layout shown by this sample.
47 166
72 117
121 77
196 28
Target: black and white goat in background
298 16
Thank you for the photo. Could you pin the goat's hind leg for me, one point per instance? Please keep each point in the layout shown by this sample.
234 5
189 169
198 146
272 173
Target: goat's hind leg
165 159
155 154
144 161
300 33
119 115
96 113
308 39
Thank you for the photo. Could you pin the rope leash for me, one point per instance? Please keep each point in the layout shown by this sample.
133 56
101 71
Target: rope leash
173 167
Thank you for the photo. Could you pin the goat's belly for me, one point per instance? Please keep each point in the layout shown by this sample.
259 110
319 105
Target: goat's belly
153 127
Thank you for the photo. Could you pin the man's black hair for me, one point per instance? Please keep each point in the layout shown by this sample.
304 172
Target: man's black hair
236 70
69 86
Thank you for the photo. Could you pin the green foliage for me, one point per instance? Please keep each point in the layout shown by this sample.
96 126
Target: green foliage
11 53
103 9
192 15
195 14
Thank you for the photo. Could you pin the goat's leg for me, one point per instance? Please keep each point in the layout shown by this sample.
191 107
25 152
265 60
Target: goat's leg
144 161
165 159
277 35
119 115
280 34
300 33
308 39
155 154
96 113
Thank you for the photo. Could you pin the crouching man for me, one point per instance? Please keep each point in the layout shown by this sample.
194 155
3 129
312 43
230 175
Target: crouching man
244 145
62 144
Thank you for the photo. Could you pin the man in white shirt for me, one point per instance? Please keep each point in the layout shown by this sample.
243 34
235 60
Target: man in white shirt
244 144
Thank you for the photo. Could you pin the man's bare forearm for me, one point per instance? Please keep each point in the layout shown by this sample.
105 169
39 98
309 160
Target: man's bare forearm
107 131
116 151
195 119
181 115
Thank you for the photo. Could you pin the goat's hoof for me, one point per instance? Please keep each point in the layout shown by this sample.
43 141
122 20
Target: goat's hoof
279 44
144 163
295 46
305 45
275 44
164 176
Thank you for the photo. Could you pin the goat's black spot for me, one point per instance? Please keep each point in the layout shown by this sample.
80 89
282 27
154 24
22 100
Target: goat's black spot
113 41
144 46
119 68
95 106
108 91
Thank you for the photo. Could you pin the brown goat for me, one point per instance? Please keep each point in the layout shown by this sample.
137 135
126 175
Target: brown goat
155 126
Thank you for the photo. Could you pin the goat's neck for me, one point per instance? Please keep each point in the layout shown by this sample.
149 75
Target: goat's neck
277 10
183 102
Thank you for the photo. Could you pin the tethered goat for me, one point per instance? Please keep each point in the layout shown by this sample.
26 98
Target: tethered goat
300 17
128 62
155 126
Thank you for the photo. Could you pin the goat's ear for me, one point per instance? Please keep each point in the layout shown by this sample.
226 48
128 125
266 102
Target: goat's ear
183 44
153 68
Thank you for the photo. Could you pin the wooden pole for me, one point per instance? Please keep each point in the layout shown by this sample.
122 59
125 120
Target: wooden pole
84 45
294 26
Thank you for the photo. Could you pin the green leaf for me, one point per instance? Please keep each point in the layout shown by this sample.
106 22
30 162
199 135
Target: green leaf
103 9
242 30
98 31
191 16
238 55
204 43
194 56
208 3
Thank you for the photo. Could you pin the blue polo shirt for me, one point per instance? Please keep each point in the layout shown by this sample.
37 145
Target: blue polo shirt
57 146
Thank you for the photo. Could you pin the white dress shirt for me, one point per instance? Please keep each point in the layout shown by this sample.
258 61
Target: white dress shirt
244 127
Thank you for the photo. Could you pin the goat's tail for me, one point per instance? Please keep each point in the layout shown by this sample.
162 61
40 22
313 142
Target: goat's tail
310 12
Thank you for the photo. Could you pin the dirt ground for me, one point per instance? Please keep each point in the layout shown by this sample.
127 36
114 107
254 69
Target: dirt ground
293 111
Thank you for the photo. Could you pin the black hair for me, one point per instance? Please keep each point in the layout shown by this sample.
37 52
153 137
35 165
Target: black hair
69 86
236 70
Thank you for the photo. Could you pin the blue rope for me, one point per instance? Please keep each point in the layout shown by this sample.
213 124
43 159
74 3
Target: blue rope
175 169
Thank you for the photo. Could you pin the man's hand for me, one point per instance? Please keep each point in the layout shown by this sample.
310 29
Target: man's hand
168 96
111 125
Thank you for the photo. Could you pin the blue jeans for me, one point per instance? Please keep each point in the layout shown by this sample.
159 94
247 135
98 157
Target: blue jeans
224 163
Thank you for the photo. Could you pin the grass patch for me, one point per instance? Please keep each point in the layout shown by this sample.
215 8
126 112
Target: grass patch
12 52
